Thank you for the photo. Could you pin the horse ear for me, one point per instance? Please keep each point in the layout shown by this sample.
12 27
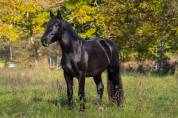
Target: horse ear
59 15
51 14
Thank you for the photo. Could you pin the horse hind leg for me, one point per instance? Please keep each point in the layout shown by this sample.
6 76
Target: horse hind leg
114 86
100 88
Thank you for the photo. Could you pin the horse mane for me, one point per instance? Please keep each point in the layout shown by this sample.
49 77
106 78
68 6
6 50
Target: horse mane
68 27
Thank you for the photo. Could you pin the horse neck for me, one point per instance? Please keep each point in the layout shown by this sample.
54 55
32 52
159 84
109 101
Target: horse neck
70 41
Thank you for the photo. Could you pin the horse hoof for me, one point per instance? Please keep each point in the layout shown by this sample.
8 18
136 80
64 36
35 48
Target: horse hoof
101 108
82 107
82 110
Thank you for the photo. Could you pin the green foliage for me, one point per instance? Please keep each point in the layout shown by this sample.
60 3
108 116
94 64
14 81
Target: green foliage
21 18
138 27
9 32
81 14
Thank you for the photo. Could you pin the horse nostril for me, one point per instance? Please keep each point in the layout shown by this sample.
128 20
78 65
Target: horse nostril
44 42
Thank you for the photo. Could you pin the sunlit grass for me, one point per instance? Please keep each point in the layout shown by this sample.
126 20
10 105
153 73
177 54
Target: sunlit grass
41 92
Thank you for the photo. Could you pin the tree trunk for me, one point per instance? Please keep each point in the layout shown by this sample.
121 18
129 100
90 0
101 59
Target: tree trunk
160 58
35 49
10 52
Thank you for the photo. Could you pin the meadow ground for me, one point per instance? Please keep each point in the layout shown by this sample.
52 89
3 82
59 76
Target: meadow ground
41 93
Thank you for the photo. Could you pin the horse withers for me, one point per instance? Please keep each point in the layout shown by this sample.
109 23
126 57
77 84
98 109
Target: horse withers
85 58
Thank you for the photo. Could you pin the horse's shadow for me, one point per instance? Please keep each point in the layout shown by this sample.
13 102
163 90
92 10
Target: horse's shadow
58 102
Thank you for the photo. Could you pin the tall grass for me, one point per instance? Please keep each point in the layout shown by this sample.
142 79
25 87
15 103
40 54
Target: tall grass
41 92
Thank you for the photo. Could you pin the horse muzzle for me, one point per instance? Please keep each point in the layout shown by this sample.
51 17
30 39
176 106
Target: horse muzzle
44 43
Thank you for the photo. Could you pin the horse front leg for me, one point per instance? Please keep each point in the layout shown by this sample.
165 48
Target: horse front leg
69 82
81 92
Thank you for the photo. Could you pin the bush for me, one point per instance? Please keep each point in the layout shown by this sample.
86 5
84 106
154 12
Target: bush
142 67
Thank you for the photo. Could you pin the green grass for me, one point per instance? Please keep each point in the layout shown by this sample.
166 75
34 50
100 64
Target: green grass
36 94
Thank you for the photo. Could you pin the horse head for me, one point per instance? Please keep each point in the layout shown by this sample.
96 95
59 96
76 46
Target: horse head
53 29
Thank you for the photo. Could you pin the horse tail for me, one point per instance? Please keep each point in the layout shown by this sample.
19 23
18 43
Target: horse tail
115 87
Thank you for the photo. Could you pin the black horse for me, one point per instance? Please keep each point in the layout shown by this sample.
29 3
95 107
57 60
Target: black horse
82 58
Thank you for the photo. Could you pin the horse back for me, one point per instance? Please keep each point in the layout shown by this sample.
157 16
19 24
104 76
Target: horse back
100 54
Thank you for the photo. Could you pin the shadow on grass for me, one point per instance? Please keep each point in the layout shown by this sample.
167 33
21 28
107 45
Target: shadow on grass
62 102
36 99
56 102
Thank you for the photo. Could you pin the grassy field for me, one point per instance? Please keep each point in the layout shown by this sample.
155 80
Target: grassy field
41 92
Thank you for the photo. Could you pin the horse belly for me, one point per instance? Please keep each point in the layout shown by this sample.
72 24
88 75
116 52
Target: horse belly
96 66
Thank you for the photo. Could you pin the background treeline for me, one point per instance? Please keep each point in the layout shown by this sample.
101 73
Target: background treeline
143 29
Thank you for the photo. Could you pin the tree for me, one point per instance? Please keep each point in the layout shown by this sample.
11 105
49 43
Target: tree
141 29
81 14
21 19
